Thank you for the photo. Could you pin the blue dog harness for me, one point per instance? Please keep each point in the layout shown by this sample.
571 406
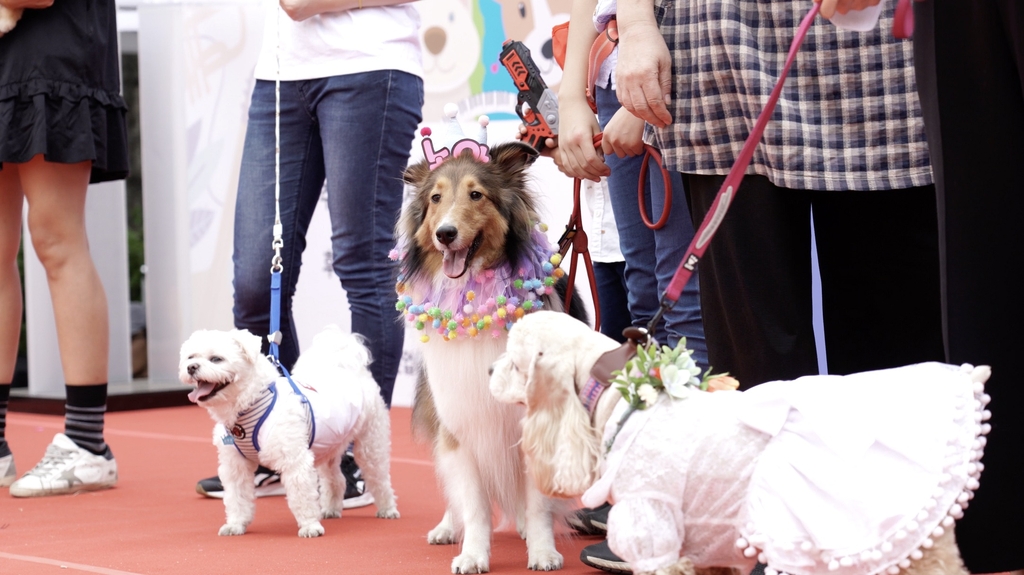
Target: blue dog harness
246 431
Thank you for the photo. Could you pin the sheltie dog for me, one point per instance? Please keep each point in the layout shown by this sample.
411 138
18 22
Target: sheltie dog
473 261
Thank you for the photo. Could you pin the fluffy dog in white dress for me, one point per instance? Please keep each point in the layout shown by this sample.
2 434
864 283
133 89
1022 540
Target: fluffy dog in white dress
300 429
853 475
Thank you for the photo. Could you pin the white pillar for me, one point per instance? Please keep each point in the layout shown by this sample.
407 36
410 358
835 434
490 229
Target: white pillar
195 78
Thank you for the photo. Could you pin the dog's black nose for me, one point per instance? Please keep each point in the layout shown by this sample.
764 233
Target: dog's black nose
446 234
192 369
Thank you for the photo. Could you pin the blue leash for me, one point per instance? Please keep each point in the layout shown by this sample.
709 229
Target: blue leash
275 334
278 242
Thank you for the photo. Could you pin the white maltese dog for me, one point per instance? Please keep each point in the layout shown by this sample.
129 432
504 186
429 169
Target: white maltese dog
300 428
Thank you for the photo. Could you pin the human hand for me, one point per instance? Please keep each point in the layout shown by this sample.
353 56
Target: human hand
623 135
830 7
577 156
23 4
550 144
643 73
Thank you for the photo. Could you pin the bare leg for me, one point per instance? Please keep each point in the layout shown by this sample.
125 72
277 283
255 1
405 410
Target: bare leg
56 219
11 198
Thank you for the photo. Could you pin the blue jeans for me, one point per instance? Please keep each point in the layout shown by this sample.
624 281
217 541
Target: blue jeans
613 298
354 131
653 255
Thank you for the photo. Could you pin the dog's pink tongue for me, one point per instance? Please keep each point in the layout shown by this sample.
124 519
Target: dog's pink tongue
201 391
455 262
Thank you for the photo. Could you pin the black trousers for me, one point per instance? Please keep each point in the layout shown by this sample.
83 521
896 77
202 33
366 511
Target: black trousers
969 57
879 263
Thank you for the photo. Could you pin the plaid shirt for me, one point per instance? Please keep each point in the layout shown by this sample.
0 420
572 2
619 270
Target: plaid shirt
848 118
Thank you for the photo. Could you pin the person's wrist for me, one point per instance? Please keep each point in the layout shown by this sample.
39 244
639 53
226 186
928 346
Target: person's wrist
573 100
640 27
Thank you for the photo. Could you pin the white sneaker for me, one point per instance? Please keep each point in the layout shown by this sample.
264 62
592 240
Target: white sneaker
67 468
7 472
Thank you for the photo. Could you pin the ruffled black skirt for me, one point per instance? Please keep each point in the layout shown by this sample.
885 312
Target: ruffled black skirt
60 89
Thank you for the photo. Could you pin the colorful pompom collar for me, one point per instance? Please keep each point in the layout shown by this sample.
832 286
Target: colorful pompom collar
490 301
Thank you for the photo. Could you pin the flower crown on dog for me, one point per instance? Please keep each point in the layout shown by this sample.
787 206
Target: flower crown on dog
657 369
456 140
654 370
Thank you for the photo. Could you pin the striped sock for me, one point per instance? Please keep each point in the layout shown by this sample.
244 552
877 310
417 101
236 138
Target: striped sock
5 395
83 416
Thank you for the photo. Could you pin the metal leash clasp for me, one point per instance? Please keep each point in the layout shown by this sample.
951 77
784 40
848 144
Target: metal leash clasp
277 244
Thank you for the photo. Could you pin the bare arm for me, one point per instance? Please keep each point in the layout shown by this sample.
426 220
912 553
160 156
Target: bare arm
644 71
22 4
300 10
577 125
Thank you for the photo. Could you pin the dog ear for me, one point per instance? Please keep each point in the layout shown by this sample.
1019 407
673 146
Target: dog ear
513 156
416 174
560 446
506 384
250 345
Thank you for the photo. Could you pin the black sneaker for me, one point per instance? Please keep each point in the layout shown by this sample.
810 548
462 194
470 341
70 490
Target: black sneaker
355 488
268 484
599 556
589 521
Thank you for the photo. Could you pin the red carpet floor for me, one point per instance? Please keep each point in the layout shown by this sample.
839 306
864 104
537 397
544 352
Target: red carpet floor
154 522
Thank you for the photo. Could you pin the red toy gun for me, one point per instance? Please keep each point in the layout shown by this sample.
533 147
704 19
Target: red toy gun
537 105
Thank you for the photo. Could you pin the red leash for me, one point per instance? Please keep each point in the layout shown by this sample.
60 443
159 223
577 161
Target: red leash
575 237
727 193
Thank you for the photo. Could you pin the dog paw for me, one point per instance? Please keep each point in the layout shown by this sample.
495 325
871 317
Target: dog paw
232 529
388 513
548 560
442 535
469 562
330 514
312 530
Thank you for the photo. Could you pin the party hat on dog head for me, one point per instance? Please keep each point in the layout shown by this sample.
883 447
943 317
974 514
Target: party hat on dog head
456 142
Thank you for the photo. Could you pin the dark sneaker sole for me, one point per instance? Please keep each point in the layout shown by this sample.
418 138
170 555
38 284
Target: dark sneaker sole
273 490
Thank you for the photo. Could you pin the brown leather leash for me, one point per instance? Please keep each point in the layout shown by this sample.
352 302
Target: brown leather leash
575 237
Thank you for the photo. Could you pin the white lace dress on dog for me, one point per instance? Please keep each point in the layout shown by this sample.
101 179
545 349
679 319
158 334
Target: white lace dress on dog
850 475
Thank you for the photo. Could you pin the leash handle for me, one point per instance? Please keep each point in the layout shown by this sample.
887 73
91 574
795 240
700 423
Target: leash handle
727 193
652 152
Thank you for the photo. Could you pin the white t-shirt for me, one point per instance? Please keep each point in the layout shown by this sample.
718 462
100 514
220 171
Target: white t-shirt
602 233
338 43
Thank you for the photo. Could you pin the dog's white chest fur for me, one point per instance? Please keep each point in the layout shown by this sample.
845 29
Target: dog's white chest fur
458 374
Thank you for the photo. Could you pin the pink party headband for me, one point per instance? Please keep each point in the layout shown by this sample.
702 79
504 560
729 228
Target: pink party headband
458 142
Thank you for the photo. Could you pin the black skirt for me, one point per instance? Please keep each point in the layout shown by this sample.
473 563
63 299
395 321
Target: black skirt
60 89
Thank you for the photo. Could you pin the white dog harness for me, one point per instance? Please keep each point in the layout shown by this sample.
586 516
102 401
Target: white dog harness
245 433
331 414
